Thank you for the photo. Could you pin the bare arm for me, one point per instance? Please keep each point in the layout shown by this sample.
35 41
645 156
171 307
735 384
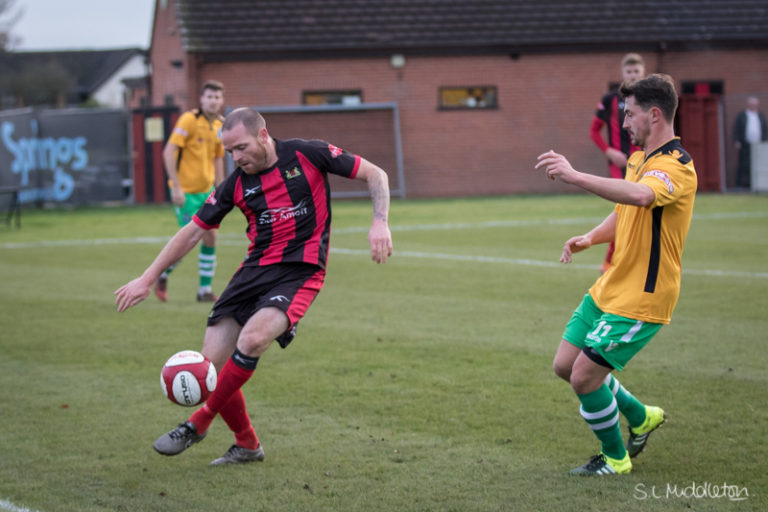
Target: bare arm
379 236
615 156
618 191
602 233
137 290
170 159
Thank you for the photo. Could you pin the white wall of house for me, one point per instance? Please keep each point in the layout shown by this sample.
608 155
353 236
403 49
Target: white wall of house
112 92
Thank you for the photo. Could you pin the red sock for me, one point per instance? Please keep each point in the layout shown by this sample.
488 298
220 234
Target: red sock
231 379
235 415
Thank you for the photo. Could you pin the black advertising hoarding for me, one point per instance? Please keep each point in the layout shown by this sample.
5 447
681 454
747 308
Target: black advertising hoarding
70 156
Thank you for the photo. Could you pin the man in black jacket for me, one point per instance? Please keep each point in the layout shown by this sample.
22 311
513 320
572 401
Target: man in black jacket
750 128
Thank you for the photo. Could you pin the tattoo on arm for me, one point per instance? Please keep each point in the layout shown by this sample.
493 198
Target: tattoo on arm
379 190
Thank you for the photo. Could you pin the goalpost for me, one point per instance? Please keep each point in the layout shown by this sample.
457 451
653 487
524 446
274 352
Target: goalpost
371 130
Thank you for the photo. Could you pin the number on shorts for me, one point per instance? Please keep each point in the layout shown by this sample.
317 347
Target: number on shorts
602 325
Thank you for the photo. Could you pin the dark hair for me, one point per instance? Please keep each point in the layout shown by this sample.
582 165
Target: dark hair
252 120
657 90
213 85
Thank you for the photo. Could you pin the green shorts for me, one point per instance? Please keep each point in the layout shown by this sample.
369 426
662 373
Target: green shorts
192 203
615 338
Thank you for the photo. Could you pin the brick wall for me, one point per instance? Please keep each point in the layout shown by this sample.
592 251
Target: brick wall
545 102
368 133
166 53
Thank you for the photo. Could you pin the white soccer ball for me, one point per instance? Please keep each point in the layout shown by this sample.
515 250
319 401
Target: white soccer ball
188 378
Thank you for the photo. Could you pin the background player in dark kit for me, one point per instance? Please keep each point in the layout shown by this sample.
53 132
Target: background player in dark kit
610 114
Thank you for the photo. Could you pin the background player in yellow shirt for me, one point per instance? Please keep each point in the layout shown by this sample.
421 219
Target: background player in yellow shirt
630 302
194 162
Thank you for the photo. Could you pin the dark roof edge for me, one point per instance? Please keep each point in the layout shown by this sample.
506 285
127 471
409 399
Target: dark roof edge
127 56
513 52
81 50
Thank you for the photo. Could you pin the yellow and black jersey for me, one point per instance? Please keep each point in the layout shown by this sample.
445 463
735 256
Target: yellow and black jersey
199 142
643 282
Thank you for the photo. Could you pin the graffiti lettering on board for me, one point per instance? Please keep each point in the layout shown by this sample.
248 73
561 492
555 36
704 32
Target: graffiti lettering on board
61 156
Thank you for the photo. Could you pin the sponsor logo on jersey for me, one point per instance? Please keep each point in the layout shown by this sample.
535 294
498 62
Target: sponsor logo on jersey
251 191
284 213
663 177
279 298
293 173
335 152
211 198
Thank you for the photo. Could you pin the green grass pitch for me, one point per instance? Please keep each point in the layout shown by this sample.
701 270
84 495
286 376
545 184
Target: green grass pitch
424 384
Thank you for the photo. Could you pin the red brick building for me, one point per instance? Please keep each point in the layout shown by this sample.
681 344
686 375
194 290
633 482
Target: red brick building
482 86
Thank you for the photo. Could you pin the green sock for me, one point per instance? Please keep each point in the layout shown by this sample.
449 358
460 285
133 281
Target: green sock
206 264
630 407
601 413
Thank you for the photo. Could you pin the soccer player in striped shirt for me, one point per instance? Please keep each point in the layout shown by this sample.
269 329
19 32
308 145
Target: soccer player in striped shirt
282 189
610 114
630 302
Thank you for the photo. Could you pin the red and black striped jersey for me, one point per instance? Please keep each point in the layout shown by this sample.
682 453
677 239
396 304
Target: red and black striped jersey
288 207
610 110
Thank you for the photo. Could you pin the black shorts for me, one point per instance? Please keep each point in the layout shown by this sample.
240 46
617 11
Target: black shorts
596 358
290 287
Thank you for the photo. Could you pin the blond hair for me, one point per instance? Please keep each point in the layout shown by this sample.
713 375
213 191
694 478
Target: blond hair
631 59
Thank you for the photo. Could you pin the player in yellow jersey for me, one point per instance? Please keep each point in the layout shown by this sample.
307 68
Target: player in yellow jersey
630 302
194 162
